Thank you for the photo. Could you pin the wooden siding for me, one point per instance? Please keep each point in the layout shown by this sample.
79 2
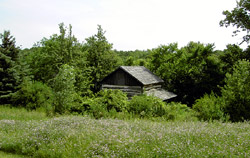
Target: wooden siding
154 86
121 78
129 90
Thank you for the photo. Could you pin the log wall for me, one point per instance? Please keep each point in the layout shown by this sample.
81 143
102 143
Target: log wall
152 86
130 90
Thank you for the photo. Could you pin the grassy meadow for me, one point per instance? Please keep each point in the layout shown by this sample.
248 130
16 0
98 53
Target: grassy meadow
32 134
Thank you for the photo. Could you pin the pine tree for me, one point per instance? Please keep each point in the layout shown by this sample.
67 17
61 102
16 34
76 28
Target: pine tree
9 76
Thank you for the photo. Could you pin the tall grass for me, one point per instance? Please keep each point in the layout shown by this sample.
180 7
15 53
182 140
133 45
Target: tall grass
75 136
12 113
10 155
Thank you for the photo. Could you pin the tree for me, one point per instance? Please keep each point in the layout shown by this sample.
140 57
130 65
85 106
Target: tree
129 61
64 90
190 72
232 55
236 92
99 57
9 74
239 17
161 55
49 55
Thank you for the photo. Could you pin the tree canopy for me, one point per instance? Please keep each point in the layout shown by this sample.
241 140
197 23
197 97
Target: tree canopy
62 75
240 18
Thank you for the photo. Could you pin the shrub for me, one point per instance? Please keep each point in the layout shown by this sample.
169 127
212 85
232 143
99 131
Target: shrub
63 87
236 92
34 95
106 103
177 111
144 105
97 108
210 107
113 99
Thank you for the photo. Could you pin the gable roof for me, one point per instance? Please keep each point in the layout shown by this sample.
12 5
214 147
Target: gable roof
142 74
161 93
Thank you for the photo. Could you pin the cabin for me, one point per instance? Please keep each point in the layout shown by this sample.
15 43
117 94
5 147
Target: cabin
135 80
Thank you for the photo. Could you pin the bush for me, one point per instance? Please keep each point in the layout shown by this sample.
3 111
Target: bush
106 103
113 99
34 95
210 107
97 108
236 92
146 106
177 111
64 90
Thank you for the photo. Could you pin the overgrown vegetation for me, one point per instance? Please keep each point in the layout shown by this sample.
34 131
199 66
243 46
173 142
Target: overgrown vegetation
61 75
210 107
51 106
21 114
77 136
236 92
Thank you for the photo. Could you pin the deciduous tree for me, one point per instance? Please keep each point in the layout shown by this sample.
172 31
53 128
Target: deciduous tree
240 18
99 56
236 92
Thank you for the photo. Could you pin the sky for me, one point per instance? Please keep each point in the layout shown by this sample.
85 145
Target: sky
129 24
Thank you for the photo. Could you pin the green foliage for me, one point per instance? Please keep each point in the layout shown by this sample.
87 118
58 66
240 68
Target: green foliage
83 84
189 72
114 99
130 58
146 106
210 107
141 62
10 155
49 55
59 73
236 92
137 54
21 114
231 55
9 74
96 108
64 90
178 112
239 17
107 103
99 57
129 61
34 95
162 54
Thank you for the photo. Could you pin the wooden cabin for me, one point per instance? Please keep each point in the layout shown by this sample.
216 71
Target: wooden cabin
135 80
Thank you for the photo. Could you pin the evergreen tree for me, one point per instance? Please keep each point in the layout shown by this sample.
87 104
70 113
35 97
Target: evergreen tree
9 74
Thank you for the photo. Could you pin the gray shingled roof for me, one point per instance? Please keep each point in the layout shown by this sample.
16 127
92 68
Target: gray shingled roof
161 93
142 74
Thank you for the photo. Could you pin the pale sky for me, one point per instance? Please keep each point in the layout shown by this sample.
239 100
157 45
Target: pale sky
129 24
